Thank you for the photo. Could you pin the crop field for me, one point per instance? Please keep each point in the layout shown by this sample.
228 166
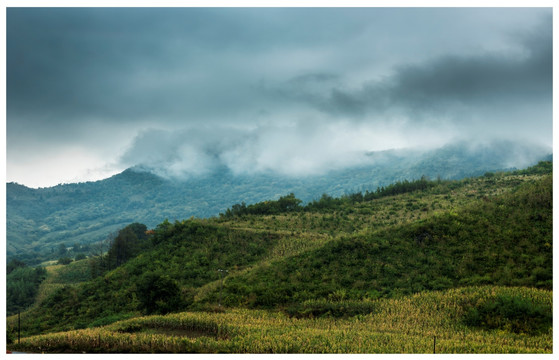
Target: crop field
426 322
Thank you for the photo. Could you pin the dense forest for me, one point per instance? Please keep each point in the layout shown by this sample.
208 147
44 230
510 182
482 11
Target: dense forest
334 257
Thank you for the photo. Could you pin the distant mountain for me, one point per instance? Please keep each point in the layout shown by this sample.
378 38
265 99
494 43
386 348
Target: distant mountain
39 220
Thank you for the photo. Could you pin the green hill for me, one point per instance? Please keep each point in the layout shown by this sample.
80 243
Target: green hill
41 223
503 241
304 259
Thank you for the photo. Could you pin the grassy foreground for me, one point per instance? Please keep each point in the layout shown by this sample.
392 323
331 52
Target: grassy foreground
405 325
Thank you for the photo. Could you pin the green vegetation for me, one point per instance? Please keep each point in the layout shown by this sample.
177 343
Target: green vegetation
468 261
405 325
512 313
158 293
22 284
127 244
66 220
64 261
505 241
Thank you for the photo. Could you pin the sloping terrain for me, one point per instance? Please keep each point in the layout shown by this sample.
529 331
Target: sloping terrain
491 230
41 220
426 322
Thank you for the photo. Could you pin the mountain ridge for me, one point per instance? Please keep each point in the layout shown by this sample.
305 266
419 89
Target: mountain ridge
38 220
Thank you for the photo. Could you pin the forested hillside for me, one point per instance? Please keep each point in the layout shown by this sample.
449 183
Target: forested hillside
41 223
304 259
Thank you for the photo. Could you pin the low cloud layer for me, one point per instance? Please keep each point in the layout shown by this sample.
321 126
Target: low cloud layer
295 91
289 150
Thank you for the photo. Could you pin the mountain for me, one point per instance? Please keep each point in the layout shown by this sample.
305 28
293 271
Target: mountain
40 221
329 261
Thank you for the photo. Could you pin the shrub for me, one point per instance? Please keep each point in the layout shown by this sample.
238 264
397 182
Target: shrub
64 261
80 256
158 293
324 308
511 313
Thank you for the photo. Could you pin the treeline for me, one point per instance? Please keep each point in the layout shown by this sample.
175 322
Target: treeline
541 168
64 252
284 204
327 202
290 203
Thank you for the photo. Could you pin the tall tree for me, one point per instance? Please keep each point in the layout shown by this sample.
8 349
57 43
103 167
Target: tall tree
130 241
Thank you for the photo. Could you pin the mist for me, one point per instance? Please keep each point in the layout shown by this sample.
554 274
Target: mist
323 121
185 92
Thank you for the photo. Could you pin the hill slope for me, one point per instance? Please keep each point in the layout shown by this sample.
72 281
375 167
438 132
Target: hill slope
494 229
423 323
40 220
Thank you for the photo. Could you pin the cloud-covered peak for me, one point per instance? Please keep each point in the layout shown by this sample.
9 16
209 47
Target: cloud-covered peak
291 90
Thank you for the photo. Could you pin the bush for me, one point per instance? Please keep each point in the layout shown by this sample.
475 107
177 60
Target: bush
158 294
324 308
64 261
511 313
9 337
80 256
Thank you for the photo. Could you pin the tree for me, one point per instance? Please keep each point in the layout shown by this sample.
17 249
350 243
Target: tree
80 256
61 249
14 264
64 260
158 293
122 248
161 231
139 230
288 203
128 243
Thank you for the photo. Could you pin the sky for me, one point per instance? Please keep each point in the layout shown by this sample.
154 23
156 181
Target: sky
296 91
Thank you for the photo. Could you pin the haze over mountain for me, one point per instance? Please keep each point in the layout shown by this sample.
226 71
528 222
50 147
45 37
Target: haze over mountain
39 220
294 91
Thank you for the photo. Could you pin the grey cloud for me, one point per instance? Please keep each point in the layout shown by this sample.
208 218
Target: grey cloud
129 63
187 64
181 153
480 78
263 89
491 85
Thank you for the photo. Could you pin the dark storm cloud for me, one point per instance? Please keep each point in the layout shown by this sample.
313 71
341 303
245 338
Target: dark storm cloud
293 90
479 79
130 63
96 62
439 84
